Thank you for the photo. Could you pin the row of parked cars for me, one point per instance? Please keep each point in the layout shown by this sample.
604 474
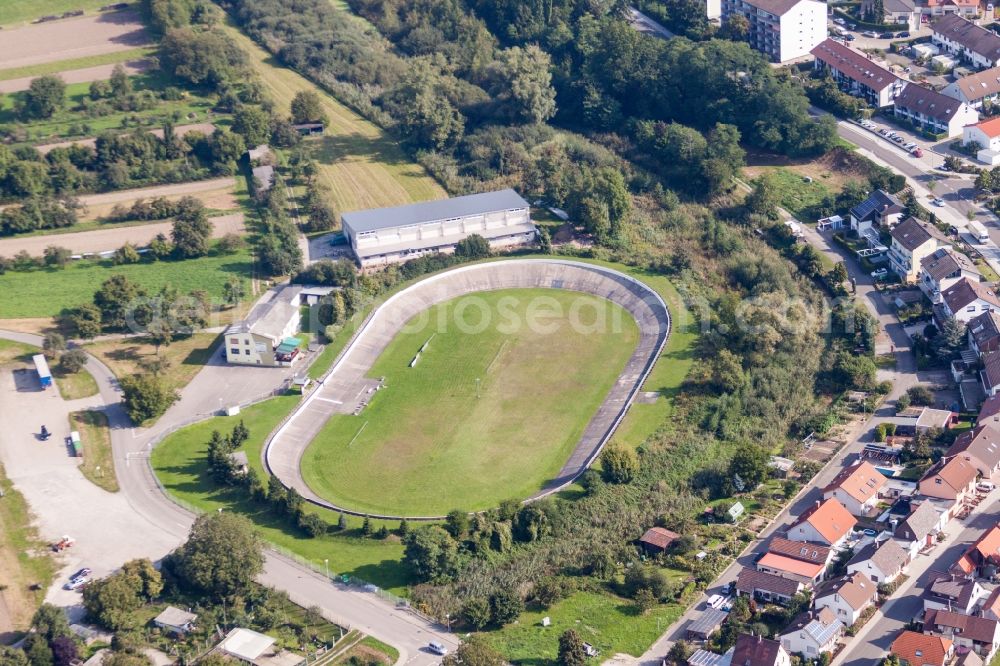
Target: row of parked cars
871 33
898 139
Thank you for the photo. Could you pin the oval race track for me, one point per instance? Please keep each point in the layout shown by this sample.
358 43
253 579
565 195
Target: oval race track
347 383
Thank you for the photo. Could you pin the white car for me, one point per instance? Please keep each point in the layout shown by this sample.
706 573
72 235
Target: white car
879 273
715 600
938 202
77 583
437 648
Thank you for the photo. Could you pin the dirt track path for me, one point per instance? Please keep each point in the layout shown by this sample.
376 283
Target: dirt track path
180 130
85 75
104 240
72 38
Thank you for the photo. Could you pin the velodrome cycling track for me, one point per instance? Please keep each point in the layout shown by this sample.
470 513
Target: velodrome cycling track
339 390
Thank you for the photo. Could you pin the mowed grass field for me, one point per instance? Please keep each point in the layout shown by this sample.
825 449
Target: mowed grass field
22 11
77 63
179 463
428 443
362 166
46 292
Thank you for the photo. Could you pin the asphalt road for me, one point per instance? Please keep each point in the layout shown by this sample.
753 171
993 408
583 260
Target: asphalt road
155 515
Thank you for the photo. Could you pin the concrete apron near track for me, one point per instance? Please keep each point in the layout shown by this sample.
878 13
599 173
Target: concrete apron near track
345 387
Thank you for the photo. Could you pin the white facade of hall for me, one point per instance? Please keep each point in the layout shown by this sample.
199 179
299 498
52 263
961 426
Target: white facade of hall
389 235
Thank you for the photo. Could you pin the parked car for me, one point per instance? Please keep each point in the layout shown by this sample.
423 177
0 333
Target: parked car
437 648
870 532
870 34
82 573
849 37
903 35
880 273
985 486
77 583
715 600
917 152
885 35
840 21
939 202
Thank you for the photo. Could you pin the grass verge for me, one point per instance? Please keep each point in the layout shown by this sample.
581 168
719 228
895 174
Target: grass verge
26 568
369 651
18 11
179 463
98 466
74 385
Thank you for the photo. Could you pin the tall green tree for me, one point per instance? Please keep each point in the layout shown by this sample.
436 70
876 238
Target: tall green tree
571 652
524 84
44 96
222 556
307 107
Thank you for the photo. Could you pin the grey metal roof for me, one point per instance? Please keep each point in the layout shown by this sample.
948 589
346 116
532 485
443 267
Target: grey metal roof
928 102
877 200
911 234
432 211
708 622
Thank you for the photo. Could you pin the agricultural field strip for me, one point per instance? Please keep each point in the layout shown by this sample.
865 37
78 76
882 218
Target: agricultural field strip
84 75
111 238
283 453
73 38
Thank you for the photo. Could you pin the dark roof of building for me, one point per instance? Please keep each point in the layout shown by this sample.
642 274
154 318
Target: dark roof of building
983 442
984 328
991 368
944 262
968 34
965 292
931 103
751 580
922 521
911 234
853 64
776 7
755 651
856 589
433 211
951 587
799 550
876 201
976 628
888 556
990 409
659 537
981 84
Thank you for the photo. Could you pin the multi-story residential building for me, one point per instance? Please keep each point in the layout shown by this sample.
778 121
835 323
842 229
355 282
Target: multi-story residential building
952 480
826 522
945 7
952 592
857 74
981 446
972 43
883 562
856 488
969 632
812 633
904 13
942 269
847 597
932 112
911 243
880 210
984 337
922 649
781 29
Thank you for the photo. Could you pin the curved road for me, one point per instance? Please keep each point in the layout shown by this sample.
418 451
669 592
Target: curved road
346 386
155 513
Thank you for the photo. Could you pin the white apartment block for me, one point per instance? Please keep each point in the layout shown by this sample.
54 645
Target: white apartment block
781 29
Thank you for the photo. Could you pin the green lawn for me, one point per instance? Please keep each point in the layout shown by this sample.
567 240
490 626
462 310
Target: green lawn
98 464
179 461
77 63
19 11
46 292
794 194
74 385
428 443
607 622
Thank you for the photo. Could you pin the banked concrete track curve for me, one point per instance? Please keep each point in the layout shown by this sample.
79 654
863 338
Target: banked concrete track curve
339 390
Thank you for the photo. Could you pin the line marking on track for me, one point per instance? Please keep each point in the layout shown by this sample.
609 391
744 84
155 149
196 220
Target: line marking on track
336 402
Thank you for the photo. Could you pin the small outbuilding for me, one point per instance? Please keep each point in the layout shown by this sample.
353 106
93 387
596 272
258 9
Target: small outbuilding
707 624
174 620
240 461
657 540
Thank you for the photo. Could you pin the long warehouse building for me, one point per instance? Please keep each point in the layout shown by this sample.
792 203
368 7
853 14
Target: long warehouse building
382 236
